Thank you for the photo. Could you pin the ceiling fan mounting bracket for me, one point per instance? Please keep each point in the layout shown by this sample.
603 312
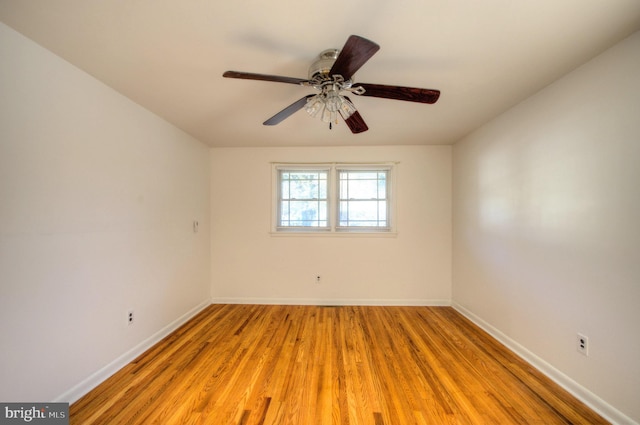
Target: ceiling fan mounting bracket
320 78
322 64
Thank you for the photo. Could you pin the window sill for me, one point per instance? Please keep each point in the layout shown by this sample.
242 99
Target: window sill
334 234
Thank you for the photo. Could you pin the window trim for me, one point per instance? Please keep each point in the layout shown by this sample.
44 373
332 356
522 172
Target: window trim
332 202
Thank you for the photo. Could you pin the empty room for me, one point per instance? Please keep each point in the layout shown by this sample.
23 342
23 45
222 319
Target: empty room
366 212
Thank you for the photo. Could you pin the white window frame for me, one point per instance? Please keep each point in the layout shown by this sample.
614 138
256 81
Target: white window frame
333 192
388 197
278 197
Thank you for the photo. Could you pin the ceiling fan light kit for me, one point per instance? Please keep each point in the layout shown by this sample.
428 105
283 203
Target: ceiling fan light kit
331 74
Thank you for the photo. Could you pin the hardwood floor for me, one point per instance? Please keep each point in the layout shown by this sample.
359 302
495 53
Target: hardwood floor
303 365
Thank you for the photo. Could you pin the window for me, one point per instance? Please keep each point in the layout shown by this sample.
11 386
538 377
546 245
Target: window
302 200
332 198
363 199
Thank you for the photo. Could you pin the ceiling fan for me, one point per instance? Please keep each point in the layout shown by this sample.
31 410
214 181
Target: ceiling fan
331 74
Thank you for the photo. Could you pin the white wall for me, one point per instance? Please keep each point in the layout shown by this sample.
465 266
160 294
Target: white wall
251 265
546 234
97 199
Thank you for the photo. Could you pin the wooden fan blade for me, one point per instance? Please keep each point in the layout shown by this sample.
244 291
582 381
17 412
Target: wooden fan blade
263 77
410 94
288 111
354 54
355 122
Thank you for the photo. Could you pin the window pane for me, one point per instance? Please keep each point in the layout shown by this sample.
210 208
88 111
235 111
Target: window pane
382 187
303 189
382 211
363 213
362 185
361 175
323 211
363 189
363 210
304 185
284 211
322 188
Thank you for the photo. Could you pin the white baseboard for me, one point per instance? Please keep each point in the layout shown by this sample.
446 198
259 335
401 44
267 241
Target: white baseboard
82 388
600 406
328 302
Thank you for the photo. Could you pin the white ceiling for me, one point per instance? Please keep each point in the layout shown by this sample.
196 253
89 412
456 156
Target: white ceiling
169 56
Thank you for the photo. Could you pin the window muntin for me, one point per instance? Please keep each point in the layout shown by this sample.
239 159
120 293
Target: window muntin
303 199
362 199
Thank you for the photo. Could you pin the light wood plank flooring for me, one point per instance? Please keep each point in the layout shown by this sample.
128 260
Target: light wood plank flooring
303 365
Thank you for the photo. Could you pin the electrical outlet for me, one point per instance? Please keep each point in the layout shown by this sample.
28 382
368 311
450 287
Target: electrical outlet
130 317
582 344
196 226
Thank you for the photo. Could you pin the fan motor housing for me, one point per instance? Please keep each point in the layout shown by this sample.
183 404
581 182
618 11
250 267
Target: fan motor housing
322 65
